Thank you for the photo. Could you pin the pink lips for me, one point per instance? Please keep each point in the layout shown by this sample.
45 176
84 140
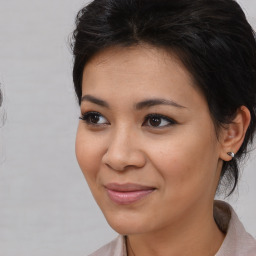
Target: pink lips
127 193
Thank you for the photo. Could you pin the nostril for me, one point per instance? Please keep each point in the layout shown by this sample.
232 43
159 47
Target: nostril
121 161
115 168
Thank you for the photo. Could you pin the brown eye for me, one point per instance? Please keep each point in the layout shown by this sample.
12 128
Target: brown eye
94 118
158 121
154 121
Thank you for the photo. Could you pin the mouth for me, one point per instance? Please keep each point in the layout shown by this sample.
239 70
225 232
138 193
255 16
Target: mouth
127 193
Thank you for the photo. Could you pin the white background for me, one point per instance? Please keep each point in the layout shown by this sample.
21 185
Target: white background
45 205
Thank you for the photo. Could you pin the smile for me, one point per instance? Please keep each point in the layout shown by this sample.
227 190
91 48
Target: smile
128 193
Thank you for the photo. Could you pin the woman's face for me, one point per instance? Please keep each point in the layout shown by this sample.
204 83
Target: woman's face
147 144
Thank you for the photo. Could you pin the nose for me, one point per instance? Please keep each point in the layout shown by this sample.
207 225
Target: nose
123 151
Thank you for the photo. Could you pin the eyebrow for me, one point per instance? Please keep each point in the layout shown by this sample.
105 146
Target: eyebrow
94 100
138 106
154 102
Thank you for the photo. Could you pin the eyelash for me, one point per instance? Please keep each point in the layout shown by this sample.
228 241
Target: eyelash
161 117
87 118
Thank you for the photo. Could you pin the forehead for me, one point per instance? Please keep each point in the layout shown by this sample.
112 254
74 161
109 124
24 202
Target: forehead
144 56
138 71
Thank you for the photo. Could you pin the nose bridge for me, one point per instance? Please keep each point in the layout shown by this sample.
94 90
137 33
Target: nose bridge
121 136
123 149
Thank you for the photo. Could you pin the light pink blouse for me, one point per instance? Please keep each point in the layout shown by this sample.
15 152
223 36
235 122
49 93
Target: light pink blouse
236 243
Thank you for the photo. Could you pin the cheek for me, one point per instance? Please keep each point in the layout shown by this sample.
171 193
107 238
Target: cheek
187 164
88 154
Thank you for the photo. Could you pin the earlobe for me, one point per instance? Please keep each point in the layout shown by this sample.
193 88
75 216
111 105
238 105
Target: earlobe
233 134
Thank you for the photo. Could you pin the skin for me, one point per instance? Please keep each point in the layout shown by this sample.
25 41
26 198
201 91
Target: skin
181 160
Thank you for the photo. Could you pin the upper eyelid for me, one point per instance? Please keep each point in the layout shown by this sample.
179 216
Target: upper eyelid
148 115
91 112
161 116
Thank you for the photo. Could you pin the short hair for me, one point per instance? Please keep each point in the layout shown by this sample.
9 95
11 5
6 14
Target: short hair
212 38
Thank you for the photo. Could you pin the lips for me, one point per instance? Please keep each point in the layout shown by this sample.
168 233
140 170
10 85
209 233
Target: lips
128 193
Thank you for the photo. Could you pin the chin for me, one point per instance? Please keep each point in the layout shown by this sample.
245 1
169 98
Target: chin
127 229
127 225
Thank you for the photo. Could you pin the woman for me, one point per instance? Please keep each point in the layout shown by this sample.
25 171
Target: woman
167 91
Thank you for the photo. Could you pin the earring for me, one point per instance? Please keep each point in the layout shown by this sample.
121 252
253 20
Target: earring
232 154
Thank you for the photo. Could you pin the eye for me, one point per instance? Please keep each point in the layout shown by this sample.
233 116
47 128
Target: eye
158 121
94 118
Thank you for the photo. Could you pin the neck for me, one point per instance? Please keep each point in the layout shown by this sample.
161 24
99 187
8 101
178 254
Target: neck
192 237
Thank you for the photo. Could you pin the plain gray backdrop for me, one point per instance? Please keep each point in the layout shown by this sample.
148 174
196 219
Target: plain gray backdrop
45 205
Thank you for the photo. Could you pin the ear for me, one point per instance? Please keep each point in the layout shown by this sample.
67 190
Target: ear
232 135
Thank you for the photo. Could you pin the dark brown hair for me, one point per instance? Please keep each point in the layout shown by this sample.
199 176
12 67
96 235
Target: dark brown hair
211 37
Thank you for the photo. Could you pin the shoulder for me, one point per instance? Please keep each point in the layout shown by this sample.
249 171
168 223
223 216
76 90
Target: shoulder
237 241
114 248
